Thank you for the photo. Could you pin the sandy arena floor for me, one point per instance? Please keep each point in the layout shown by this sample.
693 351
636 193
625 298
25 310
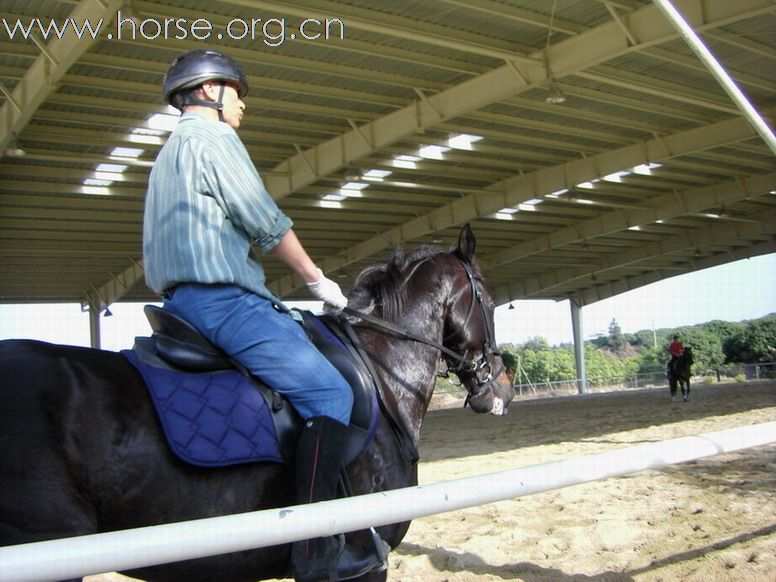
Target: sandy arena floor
713 520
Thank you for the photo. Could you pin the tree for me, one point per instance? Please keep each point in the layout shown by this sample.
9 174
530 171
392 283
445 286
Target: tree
706 349
510 359
549 365
753 342
616 338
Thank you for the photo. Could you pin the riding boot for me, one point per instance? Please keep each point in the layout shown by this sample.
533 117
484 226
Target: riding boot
318 466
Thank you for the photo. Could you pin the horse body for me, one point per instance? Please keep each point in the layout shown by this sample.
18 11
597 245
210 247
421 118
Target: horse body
82 451
680 373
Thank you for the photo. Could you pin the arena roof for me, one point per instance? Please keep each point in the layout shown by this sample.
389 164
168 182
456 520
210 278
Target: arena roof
426 115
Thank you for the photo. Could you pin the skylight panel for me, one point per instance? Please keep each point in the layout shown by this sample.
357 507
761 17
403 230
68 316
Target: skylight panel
376 175
616 176
122 152
407 162
112 168
433 152
463 141
355 186
162 122
144 136
97 182
646 169
111 176
95 190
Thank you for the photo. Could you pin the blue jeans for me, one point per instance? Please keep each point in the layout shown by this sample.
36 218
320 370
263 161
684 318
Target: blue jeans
270 344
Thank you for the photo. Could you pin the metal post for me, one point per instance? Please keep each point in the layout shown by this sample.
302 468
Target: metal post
579 346
716 69
94 326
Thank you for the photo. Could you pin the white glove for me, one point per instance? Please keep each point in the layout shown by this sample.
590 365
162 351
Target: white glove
329 292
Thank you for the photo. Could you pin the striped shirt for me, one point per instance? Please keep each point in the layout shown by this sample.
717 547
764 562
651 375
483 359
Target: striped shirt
206 205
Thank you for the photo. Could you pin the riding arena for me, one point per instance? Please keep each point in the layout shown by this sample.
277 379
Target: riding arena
705 520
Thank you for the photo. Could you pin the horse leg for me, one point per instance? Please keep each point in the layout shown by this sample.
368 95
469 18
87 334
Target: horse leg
672 386
686 390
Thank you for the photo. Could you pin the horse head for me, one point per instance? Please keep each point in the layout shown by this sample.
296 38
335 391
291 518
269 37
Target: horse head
470 332
438 298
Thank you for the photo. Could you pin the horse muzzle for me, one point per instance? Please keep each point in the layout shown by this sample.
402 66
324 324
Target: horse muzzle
491 396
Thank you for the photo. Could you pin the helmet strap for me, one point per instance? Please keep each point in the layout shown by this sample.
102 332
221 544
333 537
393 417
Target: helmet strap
218 105
220 102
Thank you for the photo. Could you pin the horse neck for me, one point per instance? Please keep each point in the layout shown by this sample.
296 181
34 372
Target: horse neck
407 369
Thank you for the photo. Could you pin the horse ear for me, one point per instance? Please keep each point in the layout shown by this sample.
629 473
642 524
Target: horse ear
467 243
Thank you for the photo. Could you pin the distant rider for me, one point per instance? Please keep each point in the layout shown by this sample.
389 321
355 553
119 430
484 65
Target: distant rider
676 349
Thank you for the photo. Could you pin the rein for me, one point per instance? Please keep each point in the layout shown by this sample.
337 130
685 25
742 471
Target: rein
401 333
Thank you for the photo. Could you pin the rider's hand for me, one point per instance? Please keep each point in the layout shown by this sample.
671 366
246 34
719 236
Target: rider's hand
329 292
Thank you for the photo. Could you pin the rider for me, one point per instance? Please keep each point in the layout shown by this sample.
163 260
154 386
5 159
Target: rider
207 212
676 349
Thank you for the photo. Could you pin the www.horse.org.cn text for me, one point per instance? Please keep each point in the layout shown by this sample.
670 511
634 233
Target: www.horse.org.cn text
271 31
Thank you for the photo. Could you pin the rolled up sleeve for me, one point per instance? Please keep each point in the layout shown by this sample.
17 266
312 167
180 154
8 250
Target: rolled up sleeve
235 181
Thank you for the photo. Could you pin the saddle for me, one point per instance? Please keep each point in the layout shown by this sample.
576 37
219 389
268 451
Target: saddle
177 351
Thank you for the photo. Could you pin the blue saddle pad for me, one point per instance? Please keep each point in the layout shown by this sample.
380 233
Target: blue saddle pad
211 419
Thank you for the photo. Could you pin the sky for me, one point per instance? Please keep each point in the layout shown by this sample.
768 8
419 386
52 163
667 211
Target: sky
733 292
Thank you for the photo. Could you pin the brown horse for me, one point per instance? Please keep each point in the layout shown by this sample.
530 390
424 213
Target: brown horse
82 451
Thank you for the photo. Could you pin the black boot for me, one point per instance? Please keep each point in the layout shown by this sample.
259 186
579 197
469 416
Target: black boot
318 465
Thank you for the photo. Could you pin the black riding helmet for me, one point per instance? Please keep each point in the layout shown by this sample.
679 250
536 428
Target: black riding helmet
193 68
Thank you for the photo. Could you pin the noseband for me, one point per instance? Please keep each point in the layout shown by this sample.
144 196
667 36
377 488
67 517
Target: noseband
460 364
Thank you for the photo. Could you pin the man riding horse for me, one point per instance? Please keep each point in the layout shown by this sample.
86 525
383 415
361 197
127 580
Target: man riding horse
676 350
206 209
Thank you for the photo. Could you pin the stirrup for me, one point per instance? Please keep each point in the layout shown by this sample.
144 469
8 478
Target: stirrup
380 555
347 563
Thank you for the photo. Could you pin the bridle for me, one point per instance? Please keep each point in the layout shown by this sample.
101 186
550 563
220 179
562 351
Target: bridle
480 369
458 363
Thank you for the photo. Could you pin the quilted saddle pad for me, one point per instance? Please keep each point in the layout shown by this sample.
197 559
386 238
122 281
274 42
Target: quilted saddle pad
211 419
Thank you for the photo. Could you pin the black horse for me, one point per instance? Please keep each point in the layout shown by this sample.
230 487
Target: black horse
679 373
82 451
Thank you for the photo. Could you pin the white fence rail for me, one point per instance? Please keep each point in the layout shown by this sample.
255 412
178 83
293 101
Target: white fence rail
122 550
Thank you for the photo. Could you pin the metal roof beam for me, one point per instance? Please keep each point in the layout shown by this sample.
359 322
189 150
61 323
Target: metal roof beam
44 74
719 234
518 189
392 25
594 46
570 56
663 207
606 290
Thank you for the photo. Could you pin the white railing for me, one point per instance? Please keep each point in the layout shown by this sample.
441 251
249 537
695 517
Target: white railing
123 550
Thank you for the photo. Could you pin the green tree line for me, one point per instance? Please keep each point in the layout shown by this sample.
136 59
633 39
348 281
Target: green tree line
617 354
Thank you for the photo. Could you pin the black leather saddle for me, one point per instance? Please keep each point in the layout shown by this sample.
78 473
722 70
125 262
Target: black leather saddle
176 344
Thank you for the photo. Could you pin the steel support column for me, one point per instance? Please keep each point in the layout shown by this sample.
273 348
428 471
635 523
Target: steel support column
579 345
94 327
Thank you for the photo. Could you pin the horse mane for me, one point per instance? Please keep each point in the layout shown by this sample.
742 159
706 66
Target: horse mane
382 287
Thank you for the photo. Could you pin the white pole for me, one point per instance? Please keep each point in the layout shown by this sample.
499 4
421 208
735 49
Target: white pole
716 69
122 550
